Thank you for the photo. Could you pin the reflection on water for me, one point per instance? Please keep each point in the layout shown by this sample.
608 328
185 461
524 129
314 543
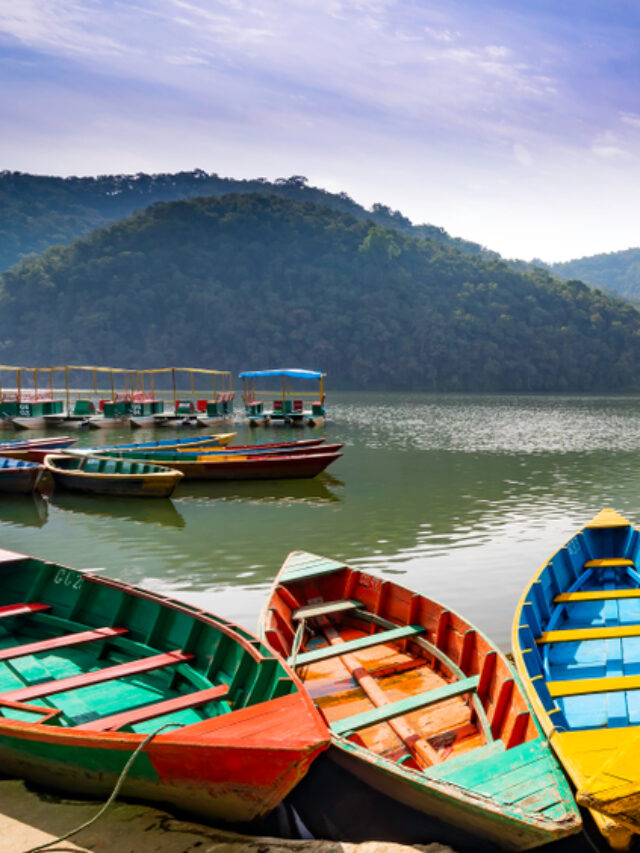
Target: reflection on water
22 510
459 497
161 511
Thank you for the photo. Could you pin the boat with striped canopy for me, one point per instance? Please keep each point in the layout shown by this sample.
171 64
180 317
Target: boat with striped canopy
432 737
576 643
91 668
93 475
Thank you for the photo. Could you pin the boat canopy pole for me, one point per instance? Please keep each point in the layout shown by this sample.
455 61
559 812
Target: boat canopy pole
173 378
66 388
113 391
19 386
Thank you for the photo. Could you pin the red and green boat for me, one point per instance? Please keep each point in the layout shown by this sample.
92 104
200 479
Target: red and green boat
433 739
90 667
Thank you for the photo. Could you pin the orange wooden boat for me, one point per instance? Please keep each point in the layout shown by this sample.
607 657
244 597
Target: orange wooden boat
432 737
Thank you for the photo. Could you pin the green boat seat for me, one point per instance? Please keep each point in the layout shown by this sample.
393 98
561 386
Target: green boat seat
157 709
10 610
99 676
404 706
326 652
66 641
92 466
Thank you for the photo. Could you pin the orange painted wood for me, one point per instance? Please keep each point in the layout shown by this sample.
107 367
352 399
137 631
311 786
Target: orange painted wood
502 707
61 642
74 682
157 709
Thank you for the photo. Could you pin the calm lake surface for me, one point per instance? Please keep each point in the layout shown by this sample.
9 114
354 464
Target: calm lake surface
459 497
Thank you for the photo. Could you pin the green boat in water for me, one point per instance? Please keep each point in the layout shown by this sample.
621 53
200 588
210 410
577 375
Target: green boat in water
94 672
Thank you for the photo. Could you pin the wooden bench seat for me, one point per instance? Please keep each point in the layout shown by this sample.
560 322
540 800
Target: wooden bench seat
586 686
404 706
578 635
325 608
22 609
596 595
326 652
608 563
63 642
157 709
98 676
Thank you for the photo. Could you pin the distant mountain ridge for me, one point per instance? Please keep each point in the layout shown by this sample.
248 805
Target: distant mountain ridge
38 211
246 280
614 271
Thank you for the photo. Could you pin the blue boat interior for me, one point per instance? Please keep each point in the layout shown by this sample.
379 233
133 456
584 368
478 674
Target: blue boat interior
6 463
580 631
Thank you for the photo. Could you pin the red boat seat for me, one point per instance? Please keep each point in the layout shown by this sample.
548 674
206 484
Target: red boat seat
98 676
277 405
21 609
297 405
63 642
201 405
157 709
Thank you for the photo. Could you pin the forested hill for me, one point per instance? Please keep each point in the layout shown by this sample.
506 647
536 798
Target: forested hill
39 211
616 271
255 281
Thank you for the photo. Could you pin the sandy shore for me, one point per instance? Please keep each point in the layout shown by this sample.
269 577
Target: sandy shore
28 819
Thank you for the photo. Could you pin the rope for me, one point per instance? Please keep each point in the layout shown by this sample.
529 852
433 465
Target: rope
113 795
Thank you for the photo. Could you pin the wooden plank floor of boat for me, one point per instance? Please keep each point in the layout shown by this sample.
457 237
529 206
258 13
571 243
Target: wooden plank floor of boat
447 725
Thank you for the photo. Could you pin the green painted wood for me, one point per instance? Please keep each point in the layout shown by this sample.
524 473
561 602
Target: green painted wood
404 706
110 673
304 565
157 709
324 609
457 762
65 641
327 652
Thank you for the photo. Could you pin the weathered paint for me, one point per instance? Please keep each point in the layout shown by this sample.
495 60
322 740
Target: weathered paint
233 757
483 766
575 641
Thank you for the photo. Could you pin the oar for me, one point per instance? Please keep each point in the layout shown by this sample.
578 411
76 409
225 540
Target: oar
422 750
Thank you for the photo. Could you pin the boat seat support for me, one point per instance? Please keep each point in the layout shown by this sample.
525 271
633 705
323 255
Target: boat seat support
381 637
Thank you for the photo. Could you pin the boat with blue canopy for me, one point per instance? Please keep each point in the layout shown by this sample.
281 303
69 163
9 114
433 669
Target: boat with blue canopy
288 405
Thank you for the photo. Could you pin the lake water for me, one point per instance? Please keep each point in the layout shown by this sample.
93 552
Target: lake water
458 497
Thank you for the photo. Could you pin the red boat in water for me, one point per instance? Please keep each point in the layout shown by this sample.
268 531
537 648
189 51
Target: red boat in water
34 449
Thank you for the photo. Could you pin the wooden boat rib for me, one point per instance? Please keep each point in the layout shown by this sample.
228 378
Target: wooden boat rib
250 467
423 710
576 641
100 476
89 666
18 476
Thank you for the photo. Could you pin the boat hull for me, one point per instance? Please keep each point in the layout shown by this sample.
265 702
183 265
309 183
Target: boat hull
20 481
104 672
274 467
214 777
575 646
160 486
474 772
29 423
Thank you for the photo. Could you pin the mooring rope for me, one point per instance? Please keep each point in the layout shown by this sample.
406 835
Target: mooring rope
113 795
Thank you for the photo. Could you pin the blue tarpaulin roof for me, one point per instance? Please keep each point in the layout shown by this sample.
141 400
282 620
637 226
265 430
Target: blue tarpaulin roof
287 371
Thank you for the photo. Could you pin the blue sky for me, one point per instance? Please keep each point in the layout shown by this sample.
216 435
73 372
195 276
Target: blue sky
516 125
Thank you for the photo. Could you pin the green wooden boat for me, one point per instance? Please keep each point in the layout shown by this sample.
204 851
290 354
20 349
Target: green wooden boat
98 476
91 667
432 738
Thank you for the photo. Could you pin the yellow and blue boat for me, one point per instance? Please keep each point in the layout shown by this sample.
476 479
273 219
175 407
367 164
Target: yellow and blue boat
576 643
